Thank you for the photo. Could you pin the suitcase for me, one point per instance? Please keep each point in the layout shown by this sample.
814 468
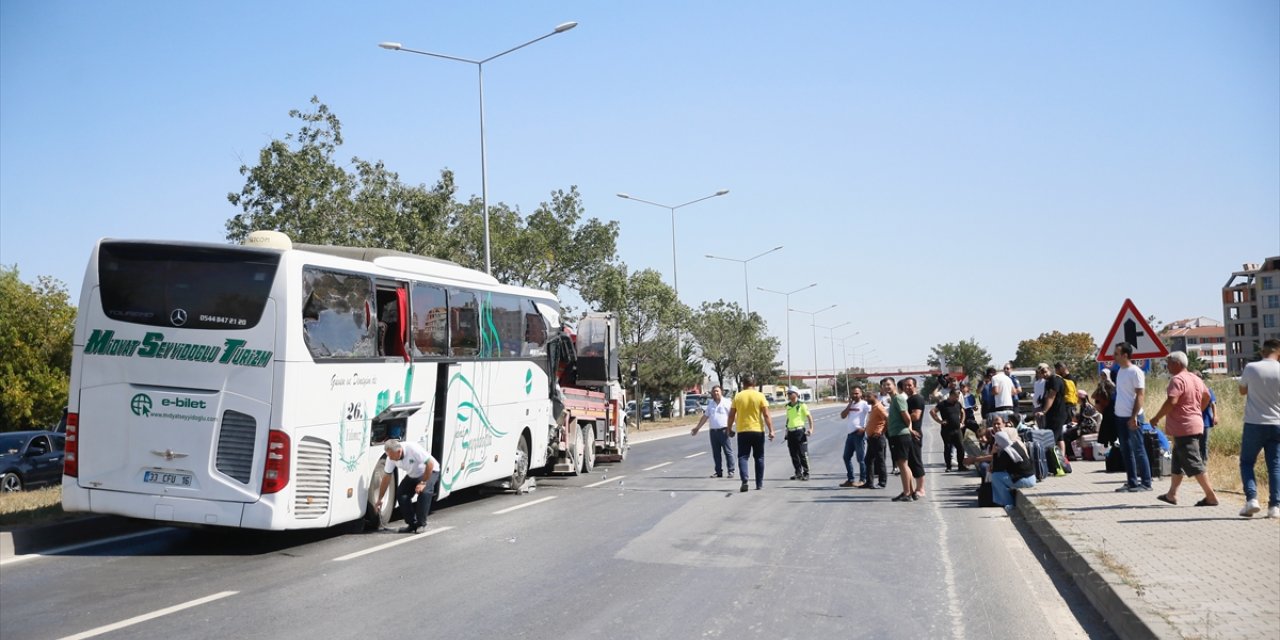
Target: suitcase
1115 462
985 496
1044 437
1037 457
1155 455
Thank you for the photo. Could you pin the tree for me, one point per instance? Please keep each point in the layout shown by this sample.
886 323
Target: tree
298 188
1076 350
1197 364
724 332
759 358
971 357
36 327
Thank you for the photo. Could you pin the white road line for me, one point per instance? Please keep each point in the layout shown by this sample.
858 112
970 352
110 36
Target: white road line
700 453
605 481
521 506
74 547
150 616
407 538
656 466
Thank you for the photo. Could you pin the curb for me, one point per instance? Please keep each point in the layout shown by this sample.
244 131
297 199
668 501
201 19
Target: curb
1108 594
30 540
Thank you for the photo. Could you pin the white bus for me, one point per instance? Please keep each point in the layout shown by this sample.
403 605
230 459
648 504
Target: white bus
251 386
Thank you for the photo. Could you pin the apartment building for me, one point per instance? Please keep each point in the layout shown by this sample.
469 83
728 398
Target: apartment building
1202 336
1250 311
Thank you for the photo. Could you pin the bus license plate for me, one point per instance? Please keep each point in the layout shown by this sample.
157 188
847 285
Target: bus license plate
168 478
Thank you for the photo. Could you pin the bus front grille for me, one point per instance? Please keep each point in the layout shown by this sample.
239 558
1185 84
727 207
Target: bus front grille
235 445
311 488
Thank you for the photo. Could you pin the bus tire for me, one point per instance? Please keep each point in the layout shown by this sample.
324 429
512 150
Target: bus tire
374 519
521 471
588 449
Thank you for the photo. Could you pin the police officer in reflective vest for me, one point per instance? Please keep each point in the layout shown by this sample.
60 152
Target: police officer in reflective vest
798 417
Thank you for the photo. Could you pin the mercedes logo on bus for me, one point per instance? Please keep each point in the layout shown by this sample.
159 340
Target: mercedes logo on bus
178 317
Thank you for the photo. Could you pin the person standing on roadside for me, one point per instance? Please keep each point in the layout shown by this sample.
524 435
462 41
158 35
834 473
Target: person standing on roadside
799 428
1017 384
750 414
1260 385
1104 398
915 407
717 413
419 473
1210 419
1131 386
1054 407
1183 405
877 423
899 429
1072 394
987 394
949 413
970 405
855 441
1002 392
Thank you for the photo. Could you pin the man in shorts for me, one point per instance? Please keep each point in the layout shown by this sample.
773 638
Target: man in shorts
899 431
1184 406
915 408
1054 407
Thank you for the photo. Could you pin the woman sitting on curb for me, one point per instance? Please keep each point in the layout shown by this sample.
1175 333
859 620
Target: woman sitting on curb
1011 464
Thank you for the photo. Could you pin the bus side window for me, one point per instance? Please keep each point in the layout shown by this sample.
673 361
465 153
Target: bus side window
535 332
335 314
430 321
392 318
464 323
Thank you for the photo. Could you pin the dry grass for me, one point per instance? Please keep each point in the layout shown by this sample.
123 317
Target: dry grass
1120 569
31 507
1224 440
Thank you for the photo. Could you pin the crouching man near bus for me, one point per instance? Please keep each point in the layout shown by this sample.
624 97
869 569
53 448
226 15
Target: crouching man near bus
419 473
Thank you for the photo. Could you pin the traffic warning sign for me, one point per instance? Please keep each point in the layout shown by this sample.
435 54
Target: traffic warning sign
1131 327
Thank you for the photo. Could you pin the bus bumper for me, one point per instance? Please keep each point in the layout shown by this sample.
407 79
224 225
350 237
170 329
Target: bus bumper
165 508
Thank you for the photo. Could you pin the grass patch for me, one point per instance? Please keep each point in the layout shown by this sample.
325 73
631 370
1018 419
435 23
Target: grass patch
31 507
1121 570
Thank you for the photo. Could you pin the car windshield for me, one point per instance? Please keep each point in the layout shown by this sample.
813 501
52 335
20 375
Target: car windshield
11 443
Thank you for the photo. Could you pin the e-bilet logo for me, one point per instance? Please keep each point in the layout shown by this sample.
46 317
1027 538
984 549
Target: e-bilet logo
140 405
183 403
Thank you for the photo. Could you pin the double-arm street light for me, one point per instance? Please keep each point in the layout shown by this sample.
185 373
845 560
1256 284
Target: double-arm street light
813 318
745 285
788 295
484 169
675 270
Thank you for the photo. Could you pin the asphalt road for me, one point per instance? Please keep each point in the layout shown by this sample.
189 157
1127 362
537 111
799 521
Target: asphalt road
649 548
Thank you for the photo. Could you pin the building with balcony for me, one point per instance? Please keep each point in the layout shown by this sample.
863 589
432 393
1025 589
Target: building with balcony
1250 311
1202 336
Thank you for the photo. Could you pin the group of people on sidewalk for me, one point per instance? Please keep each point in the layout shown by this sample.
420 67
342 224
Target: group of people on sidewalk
982 431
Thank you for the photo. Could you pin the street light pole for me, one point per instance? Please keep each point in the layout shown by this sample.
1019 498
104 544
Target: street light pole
831 335
746 286
484 167
813 318
788 295
675 269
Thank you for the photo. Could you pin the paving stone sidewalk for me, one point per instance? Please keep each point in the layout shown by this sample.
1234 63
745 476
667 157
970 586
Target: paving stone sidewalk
1159 571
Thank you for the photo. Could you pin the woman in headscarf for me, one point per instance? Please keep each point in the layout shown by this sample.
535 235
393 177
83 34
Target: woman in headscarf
1011 464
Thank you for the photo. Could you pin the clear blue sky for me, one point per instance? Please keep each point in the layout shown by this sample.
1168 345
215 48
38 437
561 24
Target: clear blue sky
942 170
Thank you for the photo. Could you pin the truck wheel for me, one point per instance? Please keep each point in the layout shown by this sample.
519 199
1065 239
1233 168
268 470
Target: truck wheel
624 443
588 449
521 471
373 518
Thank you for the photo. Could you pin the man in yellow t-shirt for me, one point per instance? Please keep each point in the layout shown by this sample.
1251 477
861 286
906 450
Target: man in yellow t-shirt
750 413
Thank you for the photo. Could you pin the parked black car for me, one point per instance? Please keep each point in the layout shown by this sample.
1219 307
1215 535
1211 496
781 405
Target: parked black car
30 459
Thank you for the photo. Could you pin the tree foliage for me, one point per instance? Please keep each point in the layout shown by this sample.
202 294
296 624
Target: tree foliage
1076 350
726 336
36 326
970 356
298 187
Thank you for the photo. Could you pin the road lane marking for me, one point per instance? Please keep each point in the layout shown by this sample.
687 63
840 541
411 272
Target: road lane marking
75 547
521 506
150 616
700 453
605 481
656 466
407 538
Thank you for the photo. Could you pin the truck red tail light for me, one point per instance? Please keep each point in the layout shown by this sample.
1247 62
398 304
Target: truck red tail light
71 457
275 475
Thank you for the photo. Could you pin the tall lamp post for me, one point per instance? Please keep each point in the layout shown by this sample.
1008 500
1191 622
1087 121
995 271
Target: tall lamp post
788 295
484 168
746 286
675 270
844 359
813 318
831 335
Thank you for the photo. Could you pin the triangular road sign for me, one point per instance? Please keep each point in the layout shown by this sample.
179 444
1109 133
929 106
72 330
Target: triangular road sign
1131 327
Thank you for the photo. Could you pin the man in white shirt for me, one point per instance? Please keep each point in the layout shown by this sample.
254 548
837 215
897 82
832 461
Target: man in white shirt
716 412
419 472
1131 385
855 442
1002 389
1260 385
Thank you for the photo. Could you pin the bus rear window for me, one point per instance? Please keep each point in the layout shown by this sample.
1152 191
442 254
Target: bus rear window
183 286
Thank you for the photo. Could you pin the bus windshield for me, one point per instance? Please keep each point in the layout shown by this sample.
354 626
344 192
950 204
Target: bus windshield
185 286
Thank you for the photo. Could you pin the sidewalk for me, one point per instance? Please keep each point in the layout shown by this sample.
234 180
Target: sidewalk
1158 571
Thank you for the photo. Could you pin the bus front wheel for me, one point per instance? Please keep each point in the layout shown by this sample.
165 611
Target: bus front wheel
521 471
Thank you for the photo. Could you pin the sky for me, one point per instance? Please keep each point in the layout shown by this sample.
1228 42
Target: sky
942 171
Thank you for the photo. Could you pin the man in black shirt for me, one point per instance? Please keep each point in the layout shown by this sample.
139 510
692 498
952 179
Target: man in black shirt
1053 405
915 408
950 414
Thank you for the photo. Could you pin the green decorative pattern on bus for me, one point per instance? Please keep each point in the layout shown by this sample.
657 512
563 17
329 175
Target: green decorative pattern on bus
490 341
528 382
471 437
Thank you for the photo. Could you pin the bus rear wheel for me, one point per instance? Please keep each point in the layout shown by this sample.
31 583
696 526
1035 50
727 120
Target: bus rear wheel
373 518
